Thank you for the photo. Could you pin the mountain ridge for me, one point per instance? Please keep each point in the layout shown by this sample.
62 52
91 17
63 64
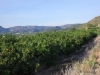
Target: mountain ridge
31 29
95 20
36 28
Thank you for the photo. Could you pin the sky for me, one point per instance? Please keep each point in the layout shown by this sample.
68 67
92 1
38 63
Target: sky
47 12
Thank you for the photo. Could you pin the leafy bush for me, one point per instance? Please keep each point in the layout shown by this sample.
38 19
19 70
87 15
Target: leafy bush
22 55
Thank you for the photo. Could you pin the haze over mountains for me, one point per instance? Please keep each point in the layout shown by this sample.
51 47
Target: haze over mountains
31 29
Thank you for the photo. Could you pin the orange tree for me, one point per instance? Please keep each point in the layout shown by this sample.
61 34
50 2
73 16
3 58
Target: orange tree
22 55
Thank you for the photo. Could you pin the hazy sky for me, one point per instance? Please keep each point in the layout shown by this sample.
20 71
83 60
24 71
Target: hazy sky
47 12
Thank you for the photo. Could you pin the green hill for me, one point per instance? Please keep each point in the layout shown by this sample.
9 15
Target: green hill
95 22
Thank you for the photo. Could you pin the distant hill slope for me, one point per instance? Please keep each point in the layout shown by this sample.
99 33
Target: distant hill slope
21 29
94 21
31 29
70 26
3 30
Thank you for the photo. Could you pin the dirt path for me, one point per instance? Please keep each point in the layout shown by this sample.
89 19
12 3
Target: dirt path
67 61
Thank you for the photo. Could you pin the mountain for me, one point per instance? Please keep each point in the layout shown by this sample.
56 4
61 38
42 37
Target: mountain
31 29
67 26
94 21
21 29
3 30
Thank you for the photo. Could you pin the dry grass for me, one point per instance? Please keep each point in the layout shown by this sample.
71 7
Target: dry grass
90 65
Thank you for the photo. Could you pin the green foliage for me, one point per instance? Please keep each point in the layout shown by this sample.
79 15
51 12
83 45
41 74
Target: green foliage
92 26
97 31
22 55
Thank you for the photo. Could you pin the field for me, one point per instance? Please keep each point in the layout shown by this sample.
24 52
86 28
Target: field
22 55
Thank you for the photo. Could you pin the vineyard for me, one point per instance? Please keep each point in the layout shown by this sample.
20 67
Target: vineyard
21 55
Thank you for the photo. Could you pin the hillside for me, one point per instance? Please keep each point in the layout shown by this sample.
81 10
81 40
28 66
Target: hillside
3 30
95 22
90 65
32 29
